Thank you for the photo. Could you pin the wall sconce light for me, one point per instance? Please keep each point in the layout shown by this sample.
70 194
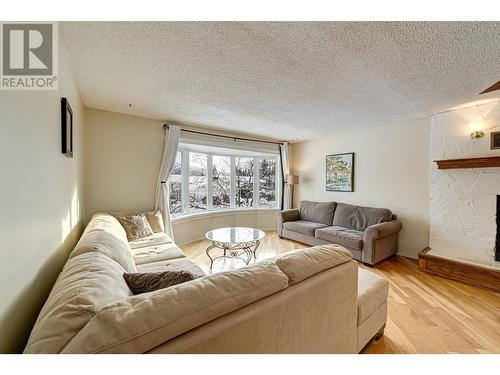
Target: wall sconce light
477 129
477 134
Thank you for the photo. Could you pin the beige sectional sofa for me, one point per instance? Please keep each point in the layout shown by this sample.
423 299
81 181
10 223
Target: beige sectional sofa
308 301
370 234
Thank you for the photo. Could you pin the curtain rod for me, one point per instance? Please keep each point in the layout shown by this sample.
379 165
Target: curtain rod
166 126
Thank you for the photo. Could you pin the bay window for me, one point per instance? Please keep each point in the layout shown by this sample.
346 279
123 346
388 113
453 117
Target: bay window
219 179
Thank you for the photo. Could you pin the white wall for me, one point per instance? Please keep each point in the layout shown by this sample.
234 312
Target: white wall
123 158
192 229
41 200
391 171
463 201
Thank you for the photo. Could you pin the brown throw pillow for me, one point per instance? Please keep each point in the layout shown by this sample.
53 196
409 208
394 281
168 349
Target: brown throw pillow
136 226
148 282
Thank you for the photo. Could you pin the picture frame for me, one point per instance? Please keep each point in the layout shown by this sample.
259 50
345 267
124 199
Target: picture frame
66 128
340 172
495 141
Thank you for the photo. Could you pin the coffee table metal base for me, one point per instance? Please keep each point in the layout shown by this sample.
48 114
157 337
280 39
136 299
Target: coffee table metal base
244 251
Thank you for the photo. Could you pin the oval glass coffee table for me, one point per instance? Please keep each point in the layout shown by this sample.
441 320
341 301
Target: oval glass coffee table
235 242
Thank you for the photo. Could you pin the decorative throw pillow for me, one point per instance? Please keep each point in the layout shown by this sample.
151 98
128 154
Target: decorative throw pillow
148 282
136 226
156 221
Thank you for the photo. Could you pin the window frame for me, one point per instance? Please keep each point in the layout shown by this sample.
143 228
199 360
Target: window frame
185 155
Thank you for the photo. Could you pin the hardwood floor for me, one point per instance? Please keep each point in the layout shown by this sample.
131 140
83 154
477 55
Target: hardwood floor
427 314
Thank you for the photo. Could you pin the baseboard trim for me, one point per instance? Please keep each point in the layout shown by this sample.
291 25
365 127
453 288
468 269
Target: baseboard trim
180 244
475 275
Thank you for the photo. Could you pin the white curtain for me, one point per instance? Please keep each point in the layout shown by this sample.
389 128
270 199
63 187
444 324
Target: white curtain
170 146
285 165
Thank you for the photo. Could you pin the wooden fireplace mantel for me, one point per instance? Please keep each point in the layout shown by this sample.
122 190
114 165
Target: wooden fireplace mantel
492 161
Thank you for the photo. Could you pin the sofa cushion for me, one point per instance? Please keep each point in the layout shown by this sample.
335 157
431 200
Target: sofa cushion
105 235
106 222
298 265
358 217
181 264
156 221
303 226
319 212
156 239
157 253
139 323
372 293
108 245
87 283
342 236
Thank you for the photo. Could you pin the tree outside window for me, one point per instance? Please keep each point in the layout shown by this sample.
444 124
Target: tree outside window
197 181
221 180
244 182
175 186
267 186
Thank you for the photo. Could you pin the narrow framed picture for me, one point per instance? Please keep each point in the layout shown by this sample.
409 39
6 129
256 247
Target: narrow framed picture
340 172
66 128
495 141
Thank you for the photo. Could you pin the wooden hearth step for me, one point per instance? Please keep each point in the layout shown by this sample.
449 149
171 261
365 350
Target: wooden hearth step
482 277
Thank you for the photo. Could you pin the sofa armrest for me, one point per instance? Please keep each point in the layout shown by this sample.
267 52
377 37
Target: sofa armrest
382 230
283 217
289 215
380 241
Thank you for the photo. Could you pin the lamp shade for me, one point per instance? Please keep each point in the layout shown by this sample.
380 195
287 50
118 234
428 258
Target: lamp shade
292 180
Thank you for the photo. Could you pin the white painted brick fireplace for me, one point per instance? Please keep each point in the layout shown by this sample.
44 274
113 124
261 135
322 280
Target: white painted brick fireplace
463 201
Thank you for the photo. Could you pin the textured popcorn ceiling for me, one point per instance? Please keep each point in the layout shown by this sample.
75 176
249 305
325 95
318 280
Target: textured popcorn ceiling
290 81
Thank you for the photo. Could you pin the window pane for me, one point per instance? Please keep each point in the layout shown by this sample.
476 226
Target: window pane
267 191
244 182
175 186
197 181
221 180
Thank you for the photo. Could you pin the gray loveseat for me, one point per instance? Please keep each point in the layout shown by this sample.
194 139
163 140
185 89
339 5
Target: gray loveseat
371 234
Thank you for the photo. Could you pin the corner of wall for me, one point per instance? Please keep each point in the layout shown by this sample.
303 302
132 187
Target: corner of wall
43 194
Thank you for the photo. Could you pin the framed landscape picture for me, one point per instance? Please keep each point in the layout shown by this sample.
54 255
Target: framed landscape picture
340 172
66 128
